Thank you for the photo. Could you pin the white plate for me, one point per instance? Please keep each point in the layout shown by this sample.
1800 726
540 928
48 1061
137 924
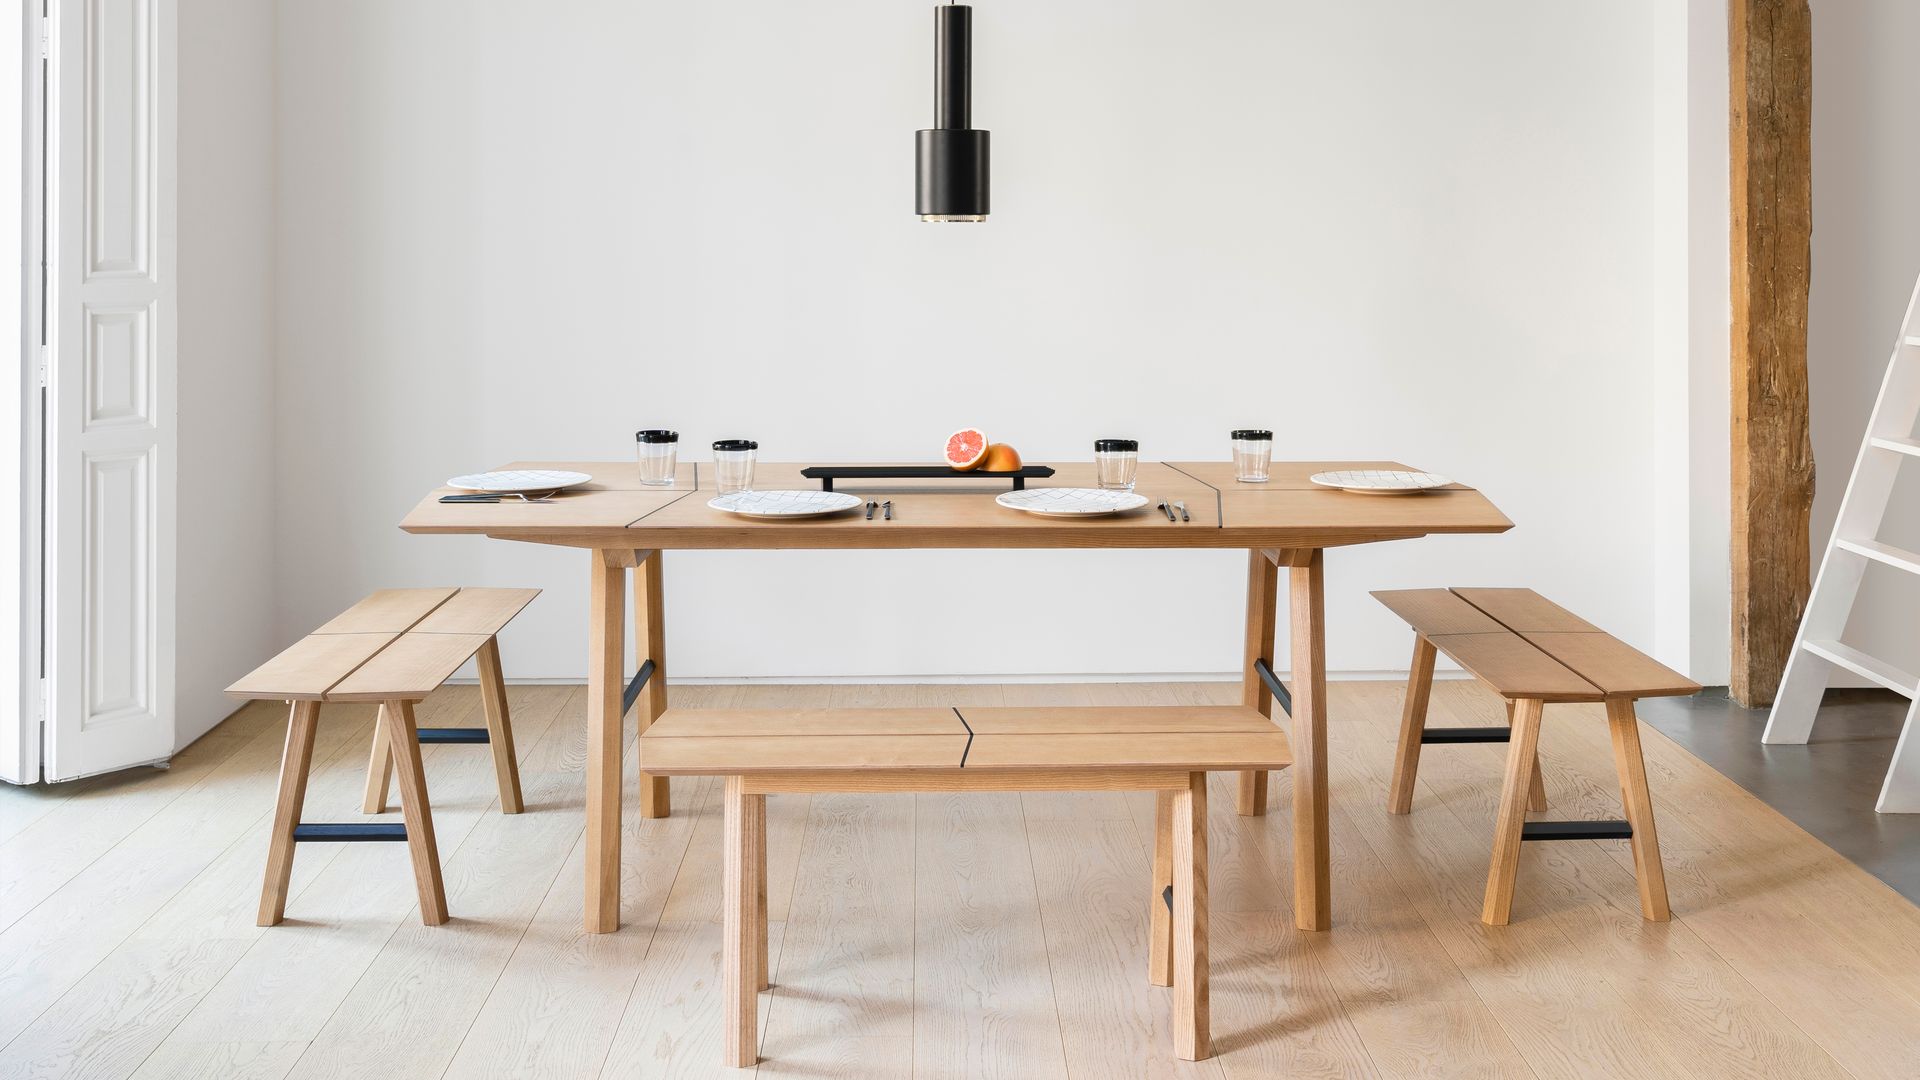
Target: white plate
1380 481
508 481
1071 502
786 504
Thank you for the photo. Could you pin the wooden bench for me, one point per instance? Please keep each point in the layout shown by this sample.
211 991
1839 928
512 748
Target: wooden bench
1531 651
393 649
1168 750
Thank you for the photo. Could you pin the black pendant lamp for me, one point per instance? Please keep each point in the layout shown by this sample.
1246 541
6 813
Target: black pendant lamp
951 157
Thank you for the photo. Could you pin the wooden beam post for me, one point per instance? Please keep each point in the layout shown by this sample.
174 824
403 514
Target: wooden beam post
1771 43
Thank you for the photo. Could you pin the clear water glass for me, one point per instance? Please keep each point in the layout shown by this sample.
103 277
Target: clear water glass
1252 453
1116 462
733 465
659 455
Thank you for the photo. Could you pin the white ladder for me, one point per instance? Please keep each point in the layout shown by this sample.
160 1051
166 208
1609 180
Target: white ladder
1817 649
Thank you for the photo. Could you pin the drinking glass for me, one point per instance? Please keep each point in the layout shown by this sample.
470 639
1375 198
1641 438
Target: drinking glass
1252 451
659 453
733 465
1116 462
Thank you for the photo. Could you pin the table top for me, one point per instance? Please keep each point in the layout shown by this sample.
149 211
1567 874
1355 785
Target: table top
1288 512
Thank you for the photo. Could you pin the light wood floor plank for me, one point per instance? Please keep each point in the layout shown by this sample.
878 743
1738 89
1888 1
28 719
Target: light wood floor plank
980 1006
83 970
940 935
296 975
65 841
555 1009
843 980
410 1010
1094 882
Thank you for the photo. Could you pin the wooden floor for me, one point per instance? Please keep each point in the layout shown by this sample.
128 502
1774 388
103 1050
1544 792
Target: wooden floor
934 935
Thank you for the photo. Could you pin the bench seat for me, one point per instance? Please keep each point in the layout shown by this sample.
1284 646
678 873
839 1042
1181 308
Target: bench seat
1532 651
1168 750
393 648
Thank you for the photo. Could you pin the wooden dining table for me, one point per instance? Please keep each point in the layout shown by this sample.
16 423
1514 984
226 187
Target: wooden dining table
1285 524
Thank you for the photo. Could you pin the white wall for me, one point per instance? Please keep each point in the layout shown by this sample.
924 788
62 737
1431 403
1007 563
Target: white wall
1866 253
225 613
1439 233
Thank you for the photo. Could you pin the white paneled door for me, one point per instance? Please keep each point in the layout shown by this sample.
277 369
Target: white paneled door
110 405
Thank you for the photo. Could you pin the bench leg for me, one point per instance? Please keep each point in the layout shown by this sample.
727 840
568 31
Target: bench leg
1191 1038
1160 919
759 810
1413 721
1632 767
650 643
1263 600
1537 791
404 739
295 760
379 768
1498 906
493 699
740 974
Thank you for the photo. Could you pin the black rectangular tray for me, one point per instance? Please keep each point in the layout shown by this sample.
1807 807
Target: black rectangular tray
827 474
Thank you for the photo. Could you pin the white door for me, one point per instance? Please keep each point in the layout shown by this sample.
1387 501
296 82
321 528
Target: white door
110 405
20 66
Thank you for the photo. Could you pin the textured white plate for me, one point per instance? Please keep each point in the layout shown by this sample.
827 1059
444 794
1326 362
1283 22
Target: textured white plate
1071 502
509 481
1380 481
786 504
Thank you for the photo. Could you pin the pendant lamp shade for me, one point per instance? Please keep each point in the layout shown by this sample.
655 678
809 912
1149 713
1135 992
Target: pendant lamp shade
951 157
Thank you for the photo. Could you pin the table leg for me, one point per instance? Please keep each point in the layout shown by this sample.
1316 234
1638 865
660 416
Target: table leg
650 643
606 624
1312 886
1263 585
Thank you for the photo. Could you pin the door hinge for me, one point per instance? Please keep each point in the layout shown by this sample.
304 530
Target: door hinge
46 357
46 37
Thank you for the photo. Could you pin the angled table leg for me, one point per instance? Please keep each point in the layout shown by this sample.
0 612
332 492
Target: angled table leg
606 628
1312 873
650 643
1263 583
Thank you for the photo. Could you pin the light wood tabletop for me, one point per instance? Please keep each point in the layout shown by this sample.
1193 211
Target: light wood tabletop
1286 512
1285 524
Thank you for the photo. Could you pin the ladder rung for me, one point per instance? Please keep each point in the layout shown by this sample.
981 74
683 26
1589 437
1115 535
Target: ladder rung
1898 446
1913 340
1865 666
1898 558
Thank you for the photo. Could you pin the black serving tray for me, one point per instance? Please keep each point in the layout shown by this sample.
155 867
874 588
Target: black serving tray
827 474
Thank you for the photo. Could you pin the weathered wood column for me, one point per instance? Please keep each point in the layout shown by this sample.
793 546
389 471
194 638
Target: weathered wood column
1771 126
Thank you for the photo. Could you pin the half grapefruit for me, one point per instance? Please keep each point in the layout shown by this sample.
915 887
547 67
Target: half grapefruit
965 449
